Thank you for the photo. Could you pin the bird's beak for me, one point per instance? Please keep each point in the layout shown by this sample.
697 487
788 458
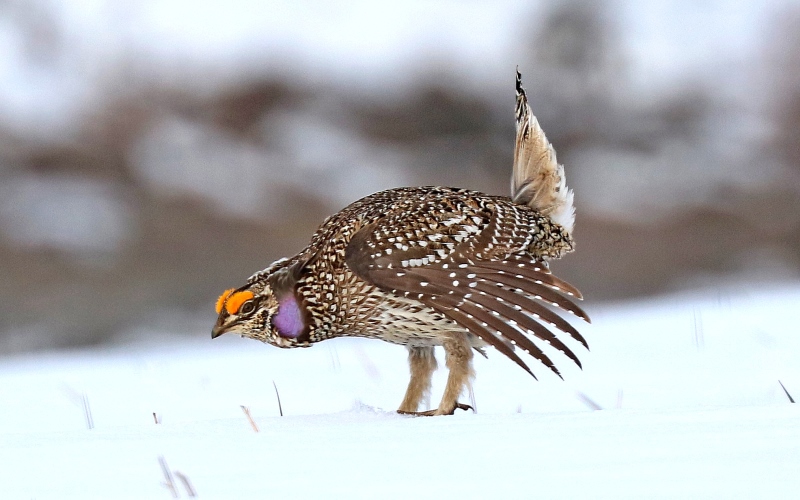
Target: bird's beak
218 330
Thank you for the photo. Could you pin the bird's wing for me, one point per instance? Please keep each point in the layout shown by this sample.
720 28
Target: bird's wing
468 261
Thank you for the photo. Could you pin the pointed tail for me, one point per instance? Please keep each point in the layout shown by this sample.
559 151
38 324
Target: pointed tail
537 179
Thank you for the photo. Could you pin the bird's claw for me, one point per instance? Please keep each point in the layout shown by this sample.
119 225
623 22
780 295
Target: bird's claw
431 413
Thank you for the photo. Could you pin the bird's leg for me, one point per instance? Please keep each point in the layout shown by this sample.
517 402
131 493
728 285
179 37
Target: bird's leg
458 359
422 364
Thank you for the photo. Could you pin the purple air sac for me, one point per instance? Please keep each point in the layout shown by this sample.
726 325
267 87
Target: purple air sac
289 320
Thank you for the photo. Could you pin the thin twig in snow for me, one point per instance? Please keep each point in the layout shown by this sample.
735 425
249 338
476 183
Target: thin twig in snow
246 411
791 399
155 418
82 400
277 395
366 362
334 359
588 401
87 411
186 484
168 482
699 340
472 399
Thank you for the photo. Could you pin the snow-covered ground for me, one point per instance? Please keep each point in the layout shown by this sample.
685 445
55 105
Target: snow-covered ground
688 386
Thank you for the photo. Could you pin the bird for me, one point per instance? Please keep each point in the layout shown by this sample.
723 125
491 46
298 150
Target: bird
431 266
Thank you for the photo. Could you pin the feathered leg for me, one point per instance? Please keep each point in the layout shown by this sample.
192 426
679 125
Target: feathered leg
458 359
422 364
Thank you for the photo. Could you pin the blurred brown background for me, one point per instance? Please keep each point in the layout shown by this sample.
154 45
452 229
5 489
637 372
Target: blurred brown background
153 154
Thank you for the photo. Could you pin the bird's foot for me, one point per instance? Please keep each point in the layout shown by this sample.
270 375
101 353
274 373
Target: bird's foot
438 411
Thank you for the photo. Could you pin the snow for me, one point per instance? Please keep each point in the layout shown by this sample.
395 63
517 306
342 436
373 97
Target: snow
730 453
688 386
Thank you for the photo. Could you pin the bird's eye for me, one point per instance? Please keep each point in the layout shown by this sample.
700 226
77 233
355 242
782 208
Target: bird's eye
247 307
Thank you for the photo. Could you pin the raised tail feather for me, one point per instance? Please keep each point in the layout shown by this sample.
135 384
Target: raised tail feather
537 179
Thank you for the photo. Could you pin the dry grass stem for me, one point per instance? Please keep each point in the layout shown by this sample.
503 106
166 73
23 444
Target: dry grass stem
588 401
246 411
186 484
87 411
699 338
791 399
277 395
168 482
82 400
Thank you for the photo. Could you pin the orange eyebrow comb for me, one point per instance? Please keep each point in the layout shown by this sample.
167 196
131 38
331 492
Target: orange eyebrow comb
233 301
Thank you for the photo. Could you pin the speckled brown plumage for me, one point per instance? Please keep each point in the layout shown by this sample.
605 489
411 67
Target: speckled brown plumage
429 266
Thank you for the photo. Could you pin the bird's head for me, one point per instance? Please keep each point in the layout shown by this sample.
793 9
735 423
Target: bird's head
266 309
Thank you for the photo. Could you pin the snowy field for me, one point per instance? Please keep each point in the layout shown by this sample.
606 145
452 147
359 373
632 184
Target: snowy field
687 386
